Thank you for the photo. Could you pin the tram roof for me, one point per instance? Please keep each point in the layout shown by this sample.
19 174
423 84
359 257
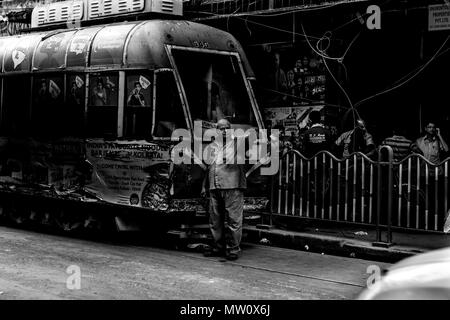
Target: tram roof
120 45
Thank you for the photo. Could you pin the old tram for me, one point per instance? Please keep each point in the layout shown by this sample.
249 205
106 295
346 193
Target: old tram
87 113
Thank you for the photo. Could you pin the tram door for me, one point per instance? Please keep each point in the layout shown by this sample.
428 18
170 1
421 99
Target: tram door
169 116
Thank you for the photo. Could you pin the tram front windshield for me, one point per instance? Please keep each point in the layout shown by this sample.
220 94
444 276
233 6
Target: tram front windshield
214 87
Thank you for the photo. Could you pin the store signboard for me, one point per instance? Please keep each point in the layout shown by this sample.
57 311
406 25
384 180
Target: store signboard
290 118
439 17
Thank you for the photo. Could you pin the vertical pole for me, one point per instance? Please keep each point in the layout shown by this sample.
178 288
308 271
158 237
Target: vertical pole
301 187
390 192
391 195
436 199
400 188
280 175
355 164
446 188
427 198
286 190
363 188
293 28
371 194
323 187
272 182
379 198
418 193
408 209
315 186
308 187
294 178
330 207
346 191
338 198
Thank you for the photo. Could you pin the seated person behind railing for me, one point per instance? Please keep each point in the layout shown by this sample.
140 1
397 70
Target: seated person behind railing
400 145
431 145
317 137
356 140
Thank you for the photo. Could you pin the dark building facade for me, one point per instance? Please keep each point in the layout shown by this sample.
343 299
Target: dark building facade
383 61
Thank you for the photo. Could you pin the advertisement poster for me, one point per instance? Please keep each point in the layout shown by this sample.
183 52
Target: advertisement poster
40 163
290 118
132 173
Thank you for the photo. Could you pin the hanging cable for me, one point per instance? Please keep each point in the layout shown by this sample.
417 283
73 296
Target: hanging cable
407 80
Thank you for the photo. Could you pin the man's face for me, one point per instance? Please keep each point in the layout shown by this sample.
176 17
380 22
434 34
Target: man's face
138 88
305 62
277 60
430 129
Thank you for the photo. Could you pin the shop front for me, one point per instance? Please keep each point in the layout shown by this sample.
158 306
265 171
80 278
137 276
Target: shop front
381 61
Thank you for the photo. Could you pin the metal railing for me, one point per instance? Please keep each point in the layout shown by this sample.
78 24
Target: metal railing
409 194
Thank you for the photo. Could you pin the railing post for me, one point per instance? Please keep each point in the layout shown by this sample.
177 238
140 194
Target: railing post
379 195
390 195
379 242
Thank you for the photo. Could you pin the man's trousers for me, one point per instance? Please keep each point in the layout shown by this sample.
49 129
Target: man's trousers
225 219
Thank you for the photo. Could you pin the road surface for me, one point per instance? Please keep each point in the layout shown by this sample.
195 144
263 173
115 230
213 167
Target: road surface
36 265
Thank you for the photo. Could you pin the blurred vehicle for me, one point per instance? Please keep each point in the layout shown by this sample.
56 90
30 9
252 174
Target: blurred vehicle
425 276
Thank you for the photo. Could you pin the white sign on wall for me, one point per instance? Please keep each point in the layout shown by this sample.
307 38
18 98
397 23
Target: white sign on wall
438 17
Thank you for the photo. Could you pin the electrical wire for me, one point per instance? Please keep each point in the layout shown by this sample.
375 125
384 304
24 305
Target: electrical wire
340 60
275 28
408 79
318 102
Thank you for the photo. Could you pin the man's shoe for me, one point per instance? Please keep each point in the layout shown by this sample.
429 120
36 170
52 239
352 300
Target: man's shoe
232 256
211 253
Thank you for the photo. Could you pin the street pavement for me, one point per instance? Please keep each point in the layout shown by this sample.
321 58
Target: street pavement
36 265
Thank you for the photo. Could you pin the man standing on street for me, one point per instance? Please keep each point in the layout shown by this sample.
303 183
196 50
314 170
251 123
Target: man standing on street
226 182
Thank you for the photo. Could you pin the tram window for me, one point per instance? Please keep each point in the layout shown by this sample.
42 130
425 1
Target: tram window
16 105
214 87
75 102
169 113
138 110
48 103
102 108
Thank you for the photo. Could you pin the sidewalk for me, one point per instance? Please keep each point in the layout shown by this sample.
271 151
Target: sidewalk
329 238
349 241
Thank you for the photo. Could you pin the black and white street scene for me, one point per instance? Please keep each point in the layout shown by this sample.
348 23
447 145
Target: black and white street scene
205 150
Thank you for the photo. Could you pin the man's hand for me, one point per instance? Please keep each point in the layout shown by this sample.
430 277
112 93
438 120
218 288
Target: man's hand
438 131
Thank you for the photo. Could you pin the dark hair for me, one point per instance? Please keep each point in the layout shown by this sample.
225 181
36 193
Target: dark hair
426 123
314 116
357 141
137 83
399 130
99 80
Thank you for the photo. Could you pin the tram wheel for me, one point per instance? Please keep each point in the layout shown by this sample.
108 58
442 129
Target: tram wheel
67 221
18 215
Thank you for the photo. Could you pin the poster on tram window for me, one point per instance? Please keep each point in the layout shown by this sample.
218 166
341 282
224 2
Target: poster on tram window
134 173
290 118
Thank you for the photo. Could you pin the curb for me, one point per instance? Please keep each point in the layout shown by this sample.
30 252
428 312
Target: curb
328 245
